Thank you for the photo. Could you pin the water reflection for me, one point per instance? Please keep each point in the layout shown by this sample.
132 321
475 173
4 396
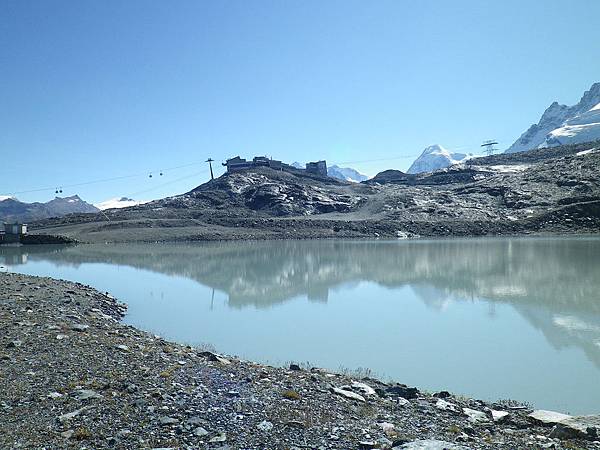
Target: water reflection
553 284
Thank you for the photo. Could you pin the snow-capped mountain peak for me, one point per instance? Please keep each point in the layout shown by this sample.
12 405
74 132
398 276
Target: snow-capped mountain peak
346 174
562 124
436 157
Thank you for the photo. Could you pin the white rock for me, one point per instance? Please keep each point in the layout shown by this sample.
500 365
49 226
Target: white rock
66 417
349 394
476 416
85 394
431 444
221 437
386 426
365 388
403 402
265 425
445 406
499 416
548 417
200 432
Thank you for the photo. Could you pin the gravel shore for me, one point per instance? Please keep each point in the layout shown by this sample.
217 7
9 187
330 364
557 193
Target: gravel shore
73 376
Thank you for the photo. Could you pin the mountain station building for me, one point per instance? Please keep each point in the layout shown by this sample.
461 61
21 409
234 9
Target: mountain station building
235 164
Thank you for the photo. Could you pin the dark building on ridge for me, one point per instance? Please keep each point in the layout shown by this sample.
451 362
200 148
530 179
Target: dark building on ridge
237 163
317 167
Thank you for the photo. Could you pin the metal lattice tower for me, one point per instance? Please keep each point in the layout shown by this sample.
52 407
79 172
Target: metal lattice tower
488 147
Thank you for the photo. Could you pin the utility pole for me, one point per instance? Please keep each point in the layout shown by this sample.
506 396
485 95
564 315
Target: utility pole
209 161
488 147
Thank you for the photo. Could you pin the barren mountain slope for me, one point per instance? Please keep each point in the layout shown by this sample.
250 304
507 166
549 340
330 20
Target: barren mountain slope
554 192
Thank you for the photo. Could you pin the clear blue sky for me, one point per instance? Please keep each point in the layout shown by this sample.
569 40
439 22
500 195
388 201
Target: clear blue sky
100 89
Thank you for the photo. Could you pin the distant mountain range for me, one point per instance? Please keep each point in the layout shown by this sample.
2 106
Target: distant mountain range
346 174
12 210
341 173
561 124
436 157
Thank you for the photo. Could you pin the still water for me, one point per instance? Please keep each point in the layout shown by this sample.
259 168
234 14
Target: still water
488 318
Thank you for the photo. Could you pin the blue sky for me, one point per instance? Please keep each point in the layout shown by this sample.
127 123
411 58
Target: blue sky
92 90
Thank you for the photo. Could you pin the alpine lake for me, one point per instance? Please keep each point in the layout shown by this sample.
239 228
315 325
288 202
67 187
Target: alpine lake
493 318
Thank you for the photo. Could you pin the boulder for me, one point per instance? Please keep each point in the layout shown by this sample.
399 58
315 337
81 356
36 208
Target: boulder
445 406
431 444
499 416
547 418
349 394
476 416
364 388
579 427
398 390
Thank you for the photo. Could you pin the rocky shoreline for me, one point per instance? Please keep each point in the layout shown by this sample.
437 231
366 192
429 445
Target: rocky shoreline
73 376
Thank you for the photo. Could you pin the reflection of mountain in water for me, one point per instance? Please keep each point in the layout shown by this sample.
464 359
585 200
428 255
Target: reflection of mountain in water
553 283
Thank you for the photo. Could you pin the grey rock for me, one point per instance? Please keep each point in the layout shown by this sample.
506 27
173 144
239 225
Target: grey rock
221 437
86 394
68 416
79 327
166 420
578 427
215 358
475 416
547 418
265 425
364 388
398 390
200 432
431 444
403 402
67 434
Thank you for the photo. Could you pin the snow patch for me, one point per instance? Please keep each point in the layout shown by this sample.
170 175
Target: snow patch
502 168
586 152
119 202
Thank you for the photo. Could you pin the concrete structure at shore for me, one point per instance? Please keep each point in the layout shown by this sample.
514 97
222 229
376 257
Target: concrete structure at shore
12 233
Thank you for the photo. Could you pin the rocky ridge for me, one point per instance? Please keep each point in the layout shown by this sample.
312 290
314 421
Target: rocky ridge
73 376
561 124
13 210
543 191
